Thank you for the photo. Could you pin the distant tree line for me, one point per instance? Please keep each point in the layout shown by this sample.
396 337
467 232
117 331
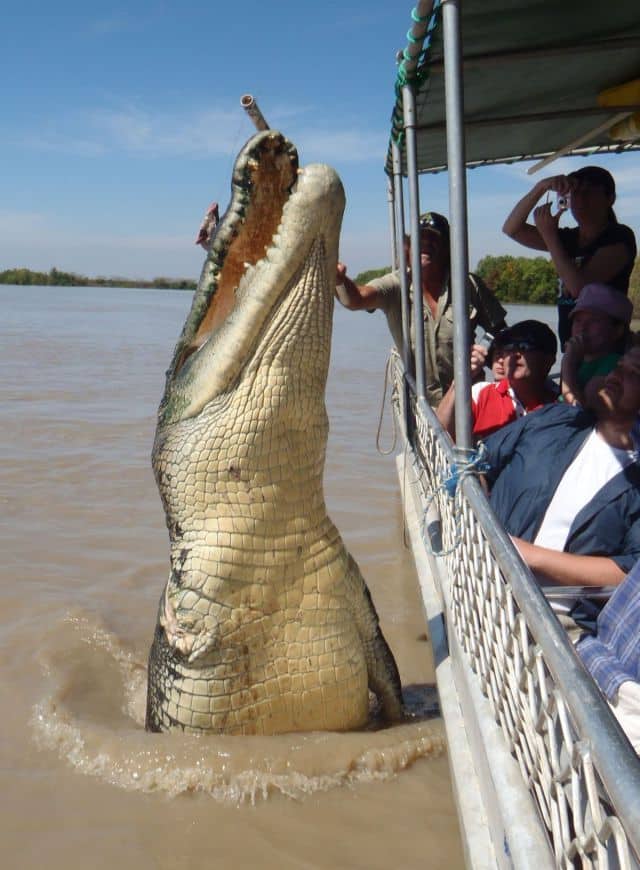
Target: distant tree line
365 277
520 279
56 278
532 280
513 279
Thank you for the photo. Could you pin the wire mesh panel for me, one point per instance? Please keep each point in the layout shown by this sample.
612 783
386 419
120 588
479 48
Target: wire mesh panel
582 774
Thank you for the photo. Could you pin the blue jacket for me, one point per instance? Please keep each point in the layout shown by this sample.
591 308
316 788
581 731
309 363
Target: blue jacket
528 459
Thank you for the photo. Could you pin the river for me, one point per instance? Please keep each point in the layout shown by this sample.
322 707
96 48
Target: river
84 559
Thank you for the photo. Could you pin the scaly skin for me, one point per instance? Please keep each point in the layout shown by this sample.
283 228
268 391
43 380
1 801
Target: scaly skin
265 624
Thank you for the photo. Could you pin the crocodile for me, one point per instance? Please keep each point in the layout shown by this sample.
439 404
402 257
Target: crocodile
265 625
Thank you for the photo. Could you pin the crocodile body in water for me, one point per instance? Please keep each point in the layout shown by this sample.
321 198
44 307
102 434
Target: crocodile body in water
266 624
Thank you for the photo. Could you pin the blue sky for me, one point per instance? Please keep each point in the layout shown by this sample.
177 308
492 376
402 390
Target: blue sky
120 123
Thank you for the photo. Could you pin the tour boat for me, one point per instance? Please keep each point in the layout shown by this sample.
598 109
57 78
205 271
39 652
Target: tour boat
542 773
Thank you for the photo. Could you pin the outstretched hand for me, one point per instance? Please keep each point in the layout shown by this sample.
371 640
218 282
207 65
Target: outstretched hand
346 291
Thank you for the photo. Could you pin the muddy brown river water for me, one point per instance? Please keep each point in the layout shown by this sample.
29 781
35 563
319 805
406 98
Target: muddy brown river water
84 556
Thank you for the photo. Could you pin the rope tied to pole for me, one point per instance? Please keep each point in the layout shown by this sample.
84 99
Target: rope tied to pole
419 19
471 461
381 450
467 462
412 67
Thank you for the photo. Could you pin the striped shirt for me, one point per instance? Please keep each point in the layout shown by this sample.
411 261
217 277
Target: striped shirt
612 656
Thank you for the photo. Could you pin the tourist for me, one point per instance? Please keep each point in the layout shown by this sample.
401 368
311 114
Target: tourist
496 357
598 249
565 483
529 349
384 293
612 655
599 335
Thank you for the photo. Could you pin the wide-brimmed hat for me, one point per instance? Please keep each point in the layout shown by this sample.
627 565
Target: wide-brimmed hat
605 299
529 335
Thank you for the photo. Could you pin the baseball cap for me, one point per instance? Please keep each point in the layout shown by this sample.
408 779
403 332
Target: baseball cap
596 176
437 222
608 300
497 344
529 335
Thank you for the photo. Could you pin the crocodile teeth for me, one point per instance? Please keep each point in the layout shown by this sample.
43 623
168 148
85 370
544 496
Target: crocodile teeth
273 255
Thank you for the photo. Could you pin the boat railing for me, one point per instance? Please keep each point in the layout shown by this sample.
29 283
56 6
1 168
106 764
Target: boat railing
577 765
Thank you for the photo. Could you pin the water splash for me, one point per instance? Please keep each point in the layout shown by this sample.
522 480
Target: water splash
93 717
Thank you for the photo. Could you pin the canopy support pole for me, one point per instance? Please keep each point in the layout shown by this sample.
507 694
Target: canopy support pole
401 265
392 222
409 111
458 218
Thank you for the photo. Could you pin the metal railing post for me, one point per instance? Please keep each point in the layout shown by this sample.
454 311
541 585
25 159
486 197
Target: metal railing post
401 253
454 103
409 110
392 222
405 350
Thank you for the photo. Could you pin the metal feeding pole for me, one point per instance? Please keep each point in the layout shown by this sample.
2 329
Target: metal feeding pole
248 103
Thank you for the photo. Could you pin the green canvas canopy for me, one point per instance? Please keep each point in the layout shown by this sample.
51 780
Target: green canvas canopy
533 71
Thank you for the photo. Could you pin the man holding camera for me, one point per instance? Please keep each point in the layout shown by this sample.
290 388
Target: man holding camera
529 349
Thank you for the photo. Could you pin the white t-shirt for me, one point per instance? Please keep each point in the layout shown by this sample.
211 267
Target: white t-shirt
594 466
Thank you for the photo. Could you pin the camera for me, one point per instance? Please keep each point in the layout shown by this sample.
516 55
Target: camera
485 341
563 201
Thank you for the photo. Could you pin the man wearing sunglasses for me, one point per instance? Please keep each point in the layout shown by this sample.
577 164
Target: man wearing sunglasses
529 350
384 293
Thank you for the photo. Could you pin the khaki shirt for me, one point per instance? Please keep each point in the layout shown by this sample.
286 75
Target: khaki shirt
484 311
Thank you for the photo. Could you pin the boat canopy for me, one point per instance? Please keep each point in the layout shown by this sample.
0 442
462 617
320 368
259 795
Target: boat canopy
539 78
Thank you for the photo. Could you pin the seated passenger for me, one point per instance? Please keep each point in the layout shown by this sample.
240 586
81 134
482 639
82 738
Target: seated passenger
384 293
494 358
599 332
529 349
612 655
565 483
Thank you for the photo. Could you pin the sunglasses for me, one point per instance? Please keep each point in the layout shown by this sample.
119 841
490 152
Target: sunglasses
519 346
432 222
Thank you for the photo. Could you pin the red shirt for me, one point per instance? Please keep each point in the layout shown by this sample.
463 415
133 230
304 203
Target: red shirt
497 405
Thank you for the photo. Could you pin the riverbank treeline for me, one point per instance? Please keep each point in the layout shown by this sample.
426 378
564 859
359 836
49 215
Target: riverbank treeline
532 280
56 278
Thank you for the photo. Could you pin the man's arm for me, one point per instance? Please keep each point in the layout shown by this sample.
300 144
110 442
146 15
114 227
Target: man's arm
445 412
356 297
569 569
